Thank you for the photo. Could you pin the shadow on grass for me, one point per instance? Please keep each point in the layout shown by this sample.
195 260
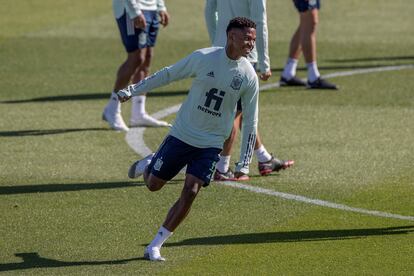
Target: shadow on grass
33 260
41 132
296 236
52 188
90 96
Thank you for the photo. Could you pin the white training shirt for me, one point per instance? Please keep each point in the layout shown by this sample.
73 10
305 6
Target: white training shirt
134 7
206 117
218 14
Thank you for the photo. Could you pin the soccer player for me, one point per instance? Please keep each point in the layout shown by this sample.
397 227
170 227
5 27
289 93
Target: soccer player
304 40
138 23
222 76
217 15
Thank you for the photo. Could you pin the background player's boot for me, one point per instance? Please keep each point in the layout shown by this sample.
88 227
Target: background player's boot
227 176
112 114
320 83
114 120
274 165
240 176
145 120
291 82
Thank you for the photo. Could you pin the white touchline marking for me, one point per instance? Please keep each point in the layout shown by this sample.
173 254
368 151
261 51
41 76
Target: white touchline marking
135 136
313 201
135 139
350 73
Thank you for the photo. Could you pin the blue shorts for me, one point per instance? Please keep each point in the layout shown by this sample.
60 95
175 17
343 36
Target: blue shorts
173 154
134 38
306 5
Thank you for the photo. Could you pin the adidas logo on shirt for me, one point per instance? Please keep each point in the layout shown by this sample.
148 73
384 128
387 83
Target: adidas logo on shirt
211 74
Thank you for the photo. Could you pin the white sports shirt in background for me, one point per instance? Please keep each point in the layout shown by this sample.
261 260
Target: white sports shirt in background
218 13
206 117
134 7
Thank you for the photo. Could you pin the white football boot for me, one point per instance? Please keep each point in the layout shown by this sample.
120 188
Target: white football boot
138 168
112 114
153 254
145 120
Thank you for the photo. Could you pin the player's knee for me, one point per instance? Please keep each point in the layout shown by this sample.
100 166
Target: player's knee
135 58
154 184
153 187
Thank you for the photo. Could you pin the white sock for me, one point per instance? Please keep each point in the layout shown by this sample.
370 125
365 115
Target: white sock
290 68
162 235
114 105
138 106
262 154
313 72
223 164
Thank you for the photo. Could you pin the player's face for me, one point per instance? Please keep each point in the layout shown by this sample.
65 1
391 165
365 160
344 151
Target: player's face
243 40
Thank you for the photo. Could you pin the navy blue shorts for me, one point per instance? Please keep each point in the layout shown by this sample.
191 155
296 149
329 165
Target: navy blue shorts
173 154
134 38
306 5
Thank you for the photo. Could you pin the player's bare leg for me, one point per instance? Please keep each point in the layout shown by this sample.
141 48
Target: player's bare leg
175 216
112 111
308 27
288 77
139 116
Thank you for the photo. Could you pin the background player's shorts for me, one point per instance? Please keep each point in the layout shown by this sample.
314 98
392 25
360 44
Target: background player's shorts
306 5
173 154
134 38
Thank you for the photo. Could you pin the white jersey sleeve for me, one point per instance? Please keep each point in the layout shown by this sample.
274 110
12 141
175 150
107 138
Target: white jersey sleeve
131 7
249 124
161 5
210 15
184 68
259 16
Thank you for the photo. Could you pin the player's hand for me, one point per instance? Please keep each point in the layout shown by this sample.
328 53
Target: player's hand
265 76
164 18
124 95
140 22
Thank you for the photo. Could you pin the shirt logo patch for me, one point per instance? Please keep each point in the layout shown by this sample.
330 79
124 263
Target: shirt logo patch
158 164
236 82
211 74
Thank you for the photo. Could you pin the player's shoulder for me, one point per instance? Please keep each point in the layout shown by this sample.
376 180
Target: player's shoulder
208 51
248 68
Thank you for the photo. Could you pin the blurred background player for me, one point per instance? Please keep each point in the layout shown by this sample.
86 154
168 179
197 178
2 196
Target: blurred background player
304 40
217 15
138 23
204 121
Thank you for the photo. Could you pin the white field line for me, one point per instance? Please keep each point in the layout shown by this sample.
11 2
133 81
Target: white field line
314 201
135 136
135 139
349 73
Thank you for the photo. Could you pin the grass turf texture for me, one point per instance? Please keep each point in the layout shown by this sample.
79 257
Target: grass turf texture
66 206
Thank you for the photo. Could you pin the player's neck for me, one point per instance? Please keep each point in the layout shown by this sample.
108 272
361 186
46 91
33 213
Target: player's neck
232 53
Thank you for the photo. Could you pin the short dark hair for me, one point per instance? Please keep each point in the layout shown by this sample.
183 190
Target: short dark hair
240 23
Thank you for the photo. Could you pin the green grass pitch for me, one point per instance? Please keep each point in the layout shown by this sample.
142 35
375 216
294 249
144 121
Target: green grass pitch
68 208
